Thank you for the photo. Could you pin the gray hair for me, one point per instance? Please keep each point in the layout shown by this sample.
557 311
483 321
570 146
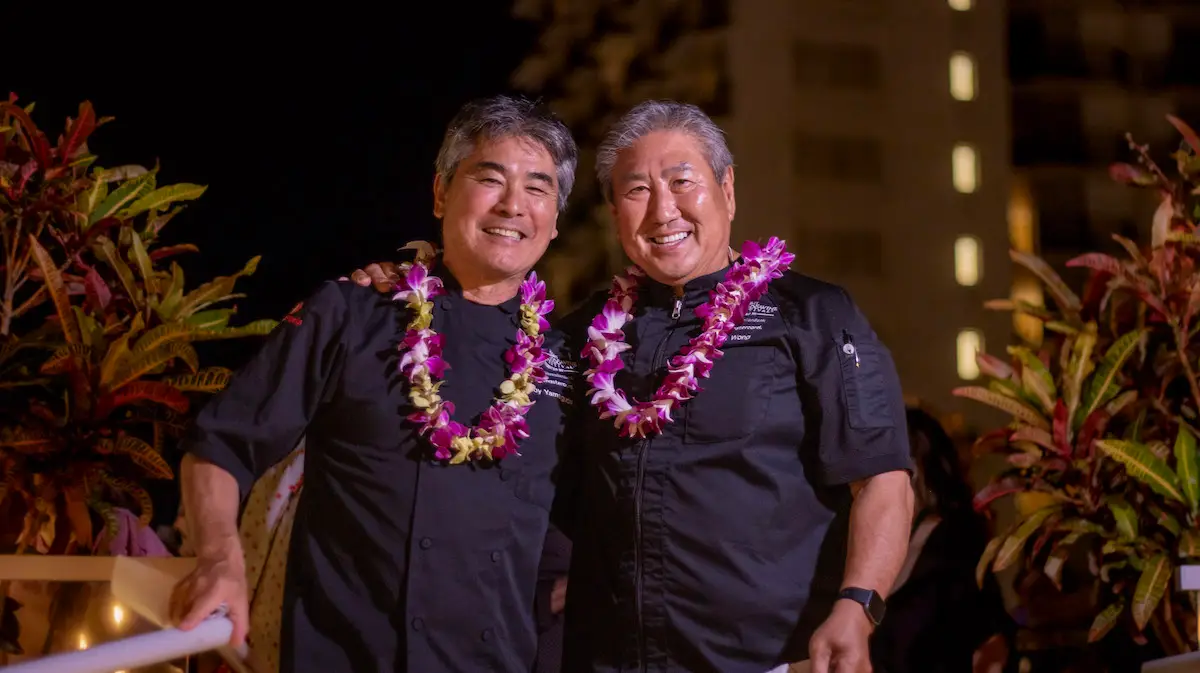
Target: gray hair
506 117
661 115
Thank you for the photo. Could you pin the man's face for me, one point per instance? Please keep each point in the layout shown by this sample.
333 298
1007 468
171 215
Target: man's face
673 215
500 211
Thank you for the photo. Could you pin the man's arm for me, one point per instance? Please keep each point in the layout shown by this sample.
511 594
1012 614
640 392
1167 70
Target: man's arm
849 377
255 422
880 519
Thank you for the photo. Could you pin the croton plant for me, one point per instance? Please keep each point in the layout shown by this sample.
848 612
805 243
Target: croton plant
1105 416
97 365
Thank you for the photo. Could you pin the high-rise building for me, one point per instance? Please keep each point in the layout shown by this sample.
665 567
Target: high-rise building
873 135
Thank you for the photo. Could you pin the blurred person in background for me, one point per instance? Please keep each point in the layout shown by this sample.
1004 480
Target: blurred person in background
939 620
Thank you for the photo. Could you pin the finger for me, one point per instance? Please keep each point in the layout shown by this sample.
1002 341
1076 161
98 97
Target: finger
360 277
820 653
239 615
202 608
389 268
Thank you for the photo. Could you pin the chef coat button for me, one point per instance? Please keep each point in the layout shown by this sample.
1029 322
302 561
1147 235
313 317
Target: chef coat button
486 635
495 557
426 543
418 624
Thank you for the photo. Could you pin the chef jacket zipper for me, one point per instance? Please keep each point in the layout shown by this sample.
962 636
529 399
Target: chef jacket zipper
643 450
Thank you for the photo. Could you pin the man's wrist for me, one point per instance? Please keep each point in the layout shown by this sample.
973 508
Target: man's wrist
867 602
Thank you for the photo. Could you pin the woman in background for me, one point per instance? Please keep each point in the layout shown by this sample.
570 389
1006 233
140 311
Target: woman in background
938 620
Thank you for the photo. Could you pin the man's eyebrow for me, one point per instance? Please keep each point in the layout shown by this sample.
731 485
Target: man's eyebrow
538 175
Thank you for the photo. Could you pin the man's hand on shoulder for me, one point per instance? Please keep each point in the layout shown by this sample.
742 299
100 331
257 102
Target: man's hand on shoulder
381 275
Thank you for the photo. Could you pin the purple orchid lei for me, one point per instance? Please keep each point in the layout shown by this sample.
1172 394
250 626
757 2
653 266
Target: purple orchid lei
503 424
745 282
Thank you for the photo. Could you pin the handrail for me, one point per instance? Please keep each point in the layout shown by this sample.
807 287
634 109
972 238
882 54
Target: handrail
130 653
142 584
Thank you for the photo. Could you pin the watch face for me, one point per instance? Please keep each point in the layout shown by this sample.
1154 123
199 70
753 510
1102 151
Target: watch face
876 608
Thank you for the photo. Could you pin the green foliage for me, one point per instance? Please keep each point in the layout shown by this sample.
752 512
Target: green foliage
97 325
1106 413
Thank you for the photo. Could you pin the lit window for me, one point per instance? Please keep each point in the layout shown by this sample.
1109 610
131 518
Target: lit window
966 260
970 342
962 76
961 5
966 168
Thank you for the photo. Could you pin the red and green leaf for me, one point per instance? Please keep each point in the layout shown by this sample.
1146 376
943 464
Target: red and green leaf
143 391
1106 620
1142 465
144 456
1151 586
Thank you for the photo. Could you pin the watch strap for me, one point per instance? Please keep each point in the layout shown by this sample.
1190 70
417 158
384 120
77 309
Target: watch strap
873 604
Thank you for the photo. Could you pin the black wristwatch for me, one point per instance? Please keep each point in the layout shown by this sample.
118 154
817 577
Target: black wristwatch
873 604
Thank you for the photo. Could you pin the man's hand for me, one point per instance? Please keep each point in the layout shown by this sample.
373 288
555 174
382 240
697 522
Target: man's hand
840 644
558 596
382 275
215 581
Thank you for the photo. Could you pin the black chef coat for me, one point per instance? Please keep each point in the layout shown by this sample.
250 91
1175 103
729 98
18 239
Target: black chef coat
396 563
720 544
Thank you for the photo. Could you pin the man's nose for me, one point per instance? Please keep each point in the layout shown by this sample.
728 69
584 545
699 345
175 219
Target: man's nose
664 207
511 203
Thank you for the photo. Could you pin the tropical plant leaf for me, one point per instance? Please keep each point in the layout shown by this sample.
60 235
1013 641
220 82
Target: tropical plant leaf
133 490
209 380
1066 300
172 296
162 335
143 391
1036 378
1164 518
164 196
1079 368
1186 466
1151 586
1103 385
107 251
28 441
115 358
1106 620
1125 516
172 250
71 357
215 289
112 526
1058 557
256 328
992 366
1012 547
985 561
1017 409
127 193
140 364
1141 464
57 289
144 456
206 320
137 255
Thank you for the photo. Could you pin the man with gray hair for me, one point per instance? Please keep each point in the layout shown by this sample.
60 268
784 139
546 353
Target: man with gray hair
429 452
751 506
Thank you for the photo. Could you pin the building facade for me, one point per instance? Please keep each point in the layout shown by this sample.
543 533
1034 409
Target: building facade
873 135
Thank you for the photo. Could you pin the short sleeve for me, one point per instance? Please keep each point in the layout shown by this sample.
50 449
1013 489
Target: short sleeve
851 378
261 415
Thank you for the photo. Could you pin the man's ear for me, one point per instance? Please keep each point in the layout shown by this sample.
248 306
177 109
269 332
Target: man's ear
727 189
439 197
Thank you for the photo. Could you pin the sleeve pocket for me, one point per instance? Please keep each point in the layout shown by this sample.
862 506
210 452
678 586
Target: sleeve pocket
864 387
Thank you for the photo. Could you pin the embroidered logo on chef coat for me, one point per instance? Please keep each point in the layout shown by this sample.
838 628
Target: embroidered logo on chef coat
758 315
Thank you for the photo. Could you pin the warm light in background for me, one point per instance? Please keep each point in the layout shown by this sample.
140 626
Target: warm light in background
961 5
1022 228
966 168
83 640
966 260
970 342
118 615
962 76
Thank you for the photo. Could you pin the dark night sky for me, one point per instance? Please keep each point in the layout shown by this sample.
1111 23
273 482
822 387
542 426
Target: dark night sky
317 141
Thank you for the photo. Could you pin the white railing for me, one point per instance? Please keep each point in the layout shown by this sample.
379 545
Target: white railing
142 584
